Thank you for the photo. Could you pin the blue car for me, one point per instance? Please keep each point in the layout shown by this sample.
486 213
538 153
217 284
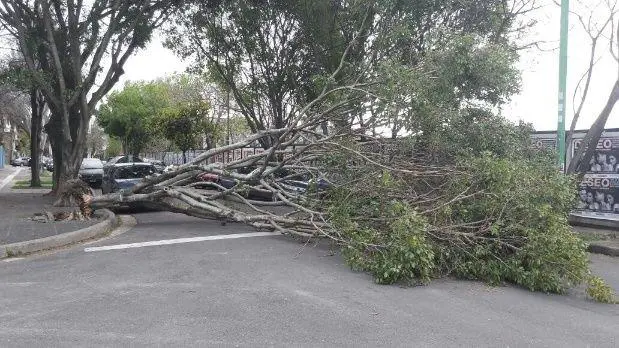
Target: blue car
123 176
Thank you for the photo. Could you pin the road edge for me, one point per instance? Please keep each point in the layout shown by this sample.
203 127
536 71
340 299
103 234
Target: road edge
604 248
100 229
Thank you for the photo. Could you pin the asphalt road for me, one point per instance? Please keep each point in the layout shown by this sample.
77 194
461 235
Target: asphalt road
269 291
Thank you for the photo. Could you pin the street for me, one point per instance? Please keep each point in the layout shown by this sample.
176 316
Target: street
264 290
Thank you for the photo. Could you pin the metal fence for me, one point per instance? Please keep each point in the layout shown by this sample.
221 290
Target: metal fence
176 158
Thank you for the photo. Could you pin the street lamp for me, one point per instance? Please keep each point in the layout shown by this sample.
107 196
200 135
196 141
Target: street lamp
565 6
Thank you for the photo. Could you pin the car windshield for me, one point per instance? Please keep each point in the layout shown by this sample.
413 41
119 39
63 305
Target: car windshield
133 172
123 159
91 163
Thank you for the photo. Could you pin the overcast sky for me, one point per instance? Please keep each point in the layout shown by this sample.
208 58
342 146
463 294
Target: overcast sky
537 101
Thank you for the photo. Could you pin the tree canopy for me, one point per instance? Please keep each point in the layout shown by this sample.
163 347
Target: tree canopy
176 108
75 52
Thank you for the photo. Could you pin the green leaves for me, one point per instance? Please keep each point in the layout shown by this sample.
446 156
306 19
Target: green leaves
175 108
184 124
513 230
126 114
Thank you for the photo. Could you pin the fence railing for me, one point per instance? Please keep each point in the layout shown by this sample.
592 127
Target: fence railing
176 158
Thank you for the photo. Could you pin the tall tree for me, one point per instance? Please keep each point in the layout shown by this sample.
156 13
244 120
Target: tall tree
253 50
276 55
76 52
15 75
184 125
598 20
126 113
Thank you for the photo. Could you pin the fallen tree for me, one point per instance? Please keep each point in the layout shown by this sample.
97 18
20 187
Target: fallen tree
395 214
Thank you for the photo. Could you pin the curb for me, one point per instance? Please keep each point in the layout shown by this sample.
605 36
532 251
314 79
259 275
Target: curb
31 246
601 248
585 221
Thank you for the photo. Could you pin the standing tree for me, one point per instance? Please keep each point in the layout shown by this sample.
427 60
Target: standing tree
184 125
254 50
17 76
76 51
276 55
599 23
95 143
126 113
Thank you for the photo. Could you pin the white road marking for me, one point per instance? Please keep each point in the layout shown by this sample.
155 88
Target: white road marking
181 240
12 259
9 178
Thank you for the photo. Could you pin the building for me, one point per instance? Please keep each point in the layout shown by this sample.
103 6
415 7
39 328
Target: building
9 136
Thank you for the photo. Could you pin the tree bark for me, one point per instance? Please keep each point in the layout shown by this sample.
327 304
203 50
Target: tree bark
36 125
587 149
67 153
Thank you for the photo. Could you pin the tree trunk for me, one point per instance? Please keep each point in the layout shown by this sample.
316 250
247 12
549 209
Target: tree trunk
67 154
36 125
587 149
184 157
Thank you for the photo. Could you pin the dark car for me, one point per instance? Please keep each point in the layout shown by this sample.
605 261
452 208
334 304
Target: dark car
124 159
159 165
299 186
120 159
214 181
91 171
303 186
124 176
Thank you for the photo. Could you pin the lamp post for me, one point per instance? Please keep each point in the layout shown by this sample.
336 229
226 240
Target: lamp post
565 6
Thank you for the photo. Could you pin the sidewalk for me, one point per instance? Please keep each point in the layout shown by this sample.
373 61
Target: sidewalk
601 240
18 206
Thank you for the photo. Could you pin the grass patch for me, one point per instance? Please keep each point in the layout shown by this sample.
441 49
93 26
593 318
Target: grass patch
46 183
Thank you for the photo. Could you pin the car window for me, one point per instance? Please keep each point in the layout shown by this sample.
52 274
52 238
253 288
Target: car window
92 163
133 172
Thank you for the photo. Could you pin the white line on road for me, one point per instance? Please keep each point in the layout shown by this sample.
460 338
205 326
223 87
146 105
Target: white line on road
9 178
11 259
182 240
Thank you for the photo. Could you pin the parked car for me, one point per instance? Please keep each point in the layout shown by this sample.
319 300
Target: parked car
123 176
299 186
49 166
20 161
303 186
159 165
120 159
91 171
208 181
46 161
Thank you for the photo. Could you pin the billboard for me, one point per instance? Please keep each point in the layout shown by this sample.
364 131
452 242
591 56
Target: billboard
598 194
605 157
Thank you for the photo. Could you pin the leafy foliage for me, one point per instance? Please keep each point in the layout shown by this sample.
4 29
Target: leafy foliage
126 113
183 125
600 291
176 108
491 218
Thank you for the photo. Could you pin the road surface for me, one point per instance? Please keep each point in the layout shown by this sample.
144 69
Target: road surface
211 289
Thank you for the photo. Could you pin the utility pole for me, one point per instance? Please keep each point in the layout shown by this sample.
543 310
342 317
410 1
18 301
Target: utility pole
565 6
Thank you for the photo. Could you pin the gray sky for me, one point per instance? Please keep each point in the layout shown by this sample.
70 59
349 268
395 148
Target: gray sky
537 101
